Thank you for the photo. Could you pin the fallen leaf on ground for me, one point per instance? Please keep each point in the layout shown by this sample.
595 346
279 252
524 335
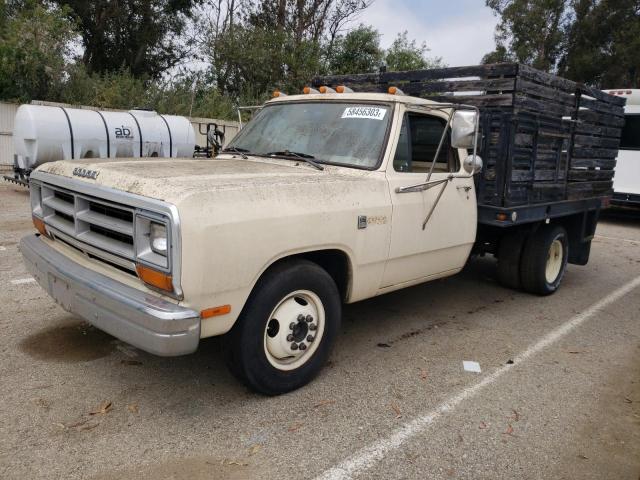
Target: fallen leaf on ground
255 449
516 415
295 427
233 462
133 408
508 431
424 374
482 425
396 409
102 409
77 424
323 403
42 402
131 362
384 345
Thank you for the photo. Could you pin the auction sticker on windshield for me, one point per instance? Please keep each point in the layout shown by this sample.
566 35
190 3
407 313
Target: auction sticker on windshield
372 113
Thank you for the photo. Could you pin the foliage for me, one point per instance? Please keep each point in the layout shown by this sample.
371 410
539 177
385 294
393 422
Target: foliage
35 43
356 52
603 44
407 55
141 36
591 41
530 31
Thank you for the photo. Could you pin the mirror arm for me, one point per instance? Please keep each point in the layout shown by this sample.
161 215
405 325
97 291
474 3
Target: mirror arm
444 135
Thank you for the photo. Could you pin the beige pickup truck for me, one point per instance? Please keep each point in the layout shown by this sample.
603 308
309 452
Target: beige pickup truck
312 205
322 199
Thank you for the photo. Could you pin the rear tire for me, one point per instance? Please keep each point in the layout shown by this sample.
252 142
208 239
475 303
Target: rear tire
544 260
294 303
509 256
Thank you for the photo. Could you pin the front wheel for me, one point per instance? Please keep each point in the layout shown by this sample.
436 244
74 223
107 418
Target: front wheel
285 332
544 260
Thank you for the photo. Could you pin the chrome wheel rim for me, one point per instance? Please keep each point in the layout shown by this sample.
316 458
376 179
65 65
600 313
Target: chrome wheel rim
554 261
294 330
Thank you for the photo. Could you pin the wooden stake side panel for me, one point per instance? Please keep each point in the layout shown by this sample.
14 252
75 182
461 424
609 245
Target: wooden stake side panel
544 138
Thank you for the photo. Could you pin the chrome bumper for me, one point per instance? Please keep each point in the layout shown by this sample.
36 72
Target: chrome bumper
143 320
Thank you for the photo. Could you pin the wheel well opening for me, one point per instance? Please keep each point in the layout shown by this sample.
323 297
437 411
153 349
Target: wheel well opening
335 263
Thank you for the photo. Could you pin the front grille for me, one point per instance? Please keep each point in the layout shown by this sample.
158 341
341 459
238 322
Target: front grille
100 228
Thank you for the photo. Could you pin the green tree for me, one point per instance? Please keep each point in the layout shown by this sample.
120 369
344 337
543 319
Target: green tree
145 37
35 46
603 44
408 55
356 52
530 31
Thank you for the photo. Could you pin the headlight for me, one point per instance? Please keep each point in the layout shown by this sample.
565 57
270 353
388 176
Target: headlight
152 240
158 238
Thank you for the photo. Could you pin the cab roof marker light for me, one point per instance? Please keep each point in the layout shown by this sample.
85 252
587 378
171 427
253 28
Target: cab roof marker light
278 93
325 89
309 90
395 91
343 89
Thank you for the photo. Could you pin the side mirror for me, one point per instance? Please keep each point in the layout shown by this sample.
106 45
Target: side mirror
463 129
472 164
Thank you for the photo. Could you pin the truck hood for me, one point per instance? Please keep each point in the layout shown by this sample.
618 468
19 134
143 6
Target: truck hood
173 179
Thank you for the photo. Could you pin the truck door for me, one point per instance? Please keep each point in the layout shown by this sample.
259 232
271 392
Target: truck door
441 246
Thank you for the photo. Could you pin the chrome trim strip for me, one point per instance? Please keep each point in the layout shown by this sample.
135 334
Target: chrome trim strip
131 200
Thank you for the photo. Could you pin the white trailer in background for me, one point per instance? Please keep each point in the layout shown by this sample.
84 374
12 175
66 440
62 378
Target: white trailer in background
47 133
626 182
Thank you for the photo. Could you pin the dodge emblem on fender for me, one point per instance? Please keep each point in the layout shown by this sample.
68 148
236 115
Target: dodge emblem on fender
83 172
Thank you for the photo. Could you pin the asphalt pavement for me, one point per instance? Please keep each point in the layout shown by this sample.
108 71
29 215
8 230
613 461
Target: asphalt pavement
558 394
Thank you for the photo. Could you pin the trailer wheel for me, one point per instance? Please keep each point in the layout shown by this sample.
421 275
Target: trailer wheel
509 255
287 327
544 260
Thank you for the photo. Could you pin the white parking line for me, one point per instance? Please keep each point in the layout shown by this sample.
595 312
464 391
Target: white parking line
22 281
369 456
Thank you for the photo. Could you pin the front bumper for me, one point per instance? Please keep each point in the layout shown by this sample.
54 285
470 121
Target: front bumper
141 319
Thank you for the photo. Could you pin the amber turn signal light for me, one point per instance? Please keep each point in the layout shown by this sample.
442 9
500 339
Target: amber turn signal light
39 224
155 278
215 311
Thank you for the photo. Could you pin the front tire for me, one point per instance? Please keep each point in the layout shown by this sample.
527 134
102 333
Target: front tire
544 260
286 329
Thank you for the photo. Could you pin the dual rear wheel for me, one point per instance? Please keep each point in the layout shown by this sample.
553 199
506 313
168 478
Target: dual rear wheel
534 261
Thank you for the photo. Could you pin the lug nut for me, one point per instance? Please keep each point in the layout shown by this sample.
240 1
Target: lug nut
313 326
303 346
294 346
310 338
292 325
301 318
290 338
309 319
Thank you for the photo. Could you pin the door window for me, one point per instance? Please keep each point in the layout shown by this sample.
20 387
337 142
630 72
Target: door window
418 143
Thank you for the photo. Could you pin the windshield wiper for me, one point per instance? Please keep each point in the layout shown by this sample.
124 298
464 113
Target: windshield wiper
238 150
302 156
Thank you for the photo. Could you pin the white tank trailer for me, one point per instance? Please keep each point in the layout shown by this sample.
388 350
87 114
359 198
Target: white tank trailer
46 134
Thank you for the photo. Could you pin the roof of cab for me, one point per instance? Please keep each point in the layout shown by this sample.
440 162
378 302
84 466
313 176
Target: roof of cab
354 97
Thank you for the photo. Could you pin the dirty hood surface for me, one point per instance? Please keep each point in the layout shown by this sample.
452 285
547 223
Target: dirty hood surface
174 179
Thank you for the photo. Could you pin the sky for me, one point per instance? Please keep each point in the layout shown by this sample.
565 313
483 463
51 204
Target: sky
459 31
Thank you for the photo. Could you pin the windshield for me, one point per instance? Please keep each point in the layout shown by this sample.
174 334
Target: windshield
349 134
